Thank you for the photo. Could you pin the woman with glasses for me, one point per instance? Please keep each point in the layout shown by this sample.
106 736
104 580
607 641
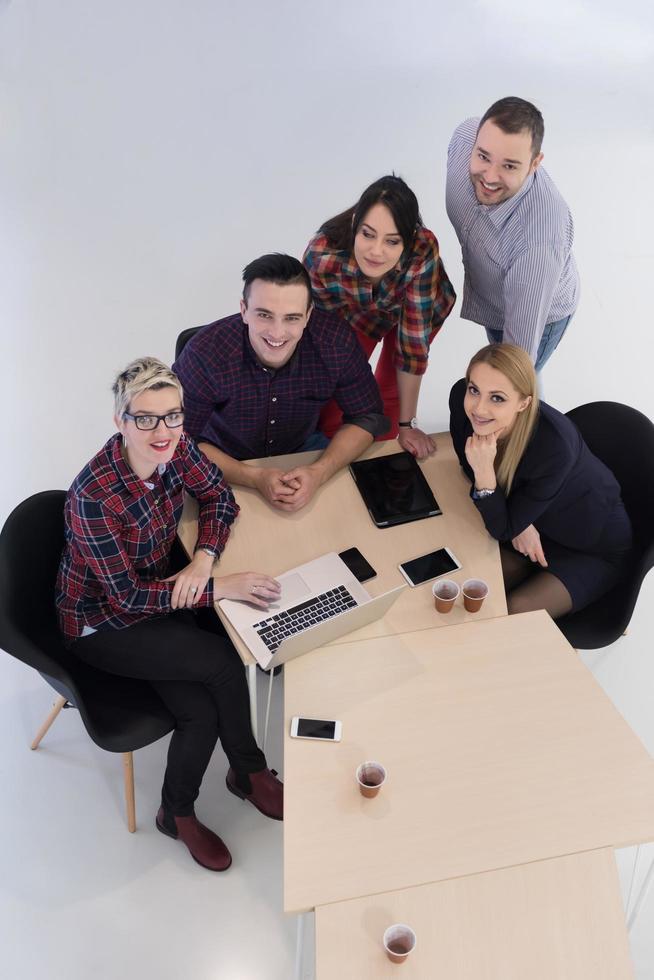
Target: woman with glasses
379 267
122 611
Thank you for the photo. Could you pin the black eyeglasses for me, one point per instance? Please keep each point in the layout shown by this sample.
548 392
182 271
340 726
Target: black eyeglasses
173 420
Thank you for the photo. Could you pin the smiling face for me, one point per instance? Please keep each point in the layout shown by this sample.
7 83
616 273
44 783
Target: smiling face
491 402
276 317
145 450
500 163
378 246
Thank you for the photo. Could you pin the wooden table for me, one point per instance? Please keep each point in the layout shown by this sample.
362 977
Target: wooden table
266 540
560 919
500 747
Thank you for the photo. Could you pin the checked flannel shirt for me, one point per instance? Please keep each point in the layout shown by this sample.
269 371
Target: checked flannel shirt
415 296
248 410
119 531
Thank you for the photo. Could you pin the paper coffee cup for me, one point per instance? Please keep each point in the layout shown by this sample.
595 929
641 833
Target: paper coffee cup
474 591
445 593
399 941
370 777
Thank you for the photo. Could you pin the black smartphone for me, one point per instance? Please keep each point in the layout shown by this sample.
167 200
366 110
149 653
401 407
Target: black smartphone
360 568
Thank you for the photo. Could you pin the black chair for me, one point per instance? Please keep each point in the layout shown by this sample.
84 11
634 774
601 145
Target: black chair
183 339
120 714
623 438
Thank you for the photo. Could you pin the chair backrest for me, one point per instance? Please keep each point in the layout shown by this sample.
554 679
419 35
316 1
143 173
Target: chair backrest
623 438
183 339
120 714
31 543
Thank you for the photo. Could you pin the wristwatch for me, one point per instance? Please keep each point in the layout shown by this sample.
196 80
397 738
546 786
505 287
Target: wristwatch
208 551
481 493
411 424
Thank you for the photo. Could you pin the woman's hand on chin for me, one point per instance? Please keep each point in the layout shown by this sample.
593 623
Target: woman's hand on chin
481 450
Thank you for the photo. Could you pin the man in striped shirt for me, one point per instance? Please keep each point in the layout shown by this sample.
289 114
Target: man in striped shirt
515 230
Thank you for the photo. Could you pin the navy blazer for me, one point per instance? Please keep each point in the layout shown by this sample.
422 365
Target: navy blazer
559 486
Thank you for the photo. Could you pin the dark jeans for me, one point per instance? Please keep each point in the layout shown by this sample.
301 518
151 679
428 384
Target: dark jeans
200 678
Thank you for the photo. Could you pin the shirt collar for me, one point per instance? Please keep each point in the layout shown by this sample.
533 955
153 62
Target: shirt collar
133 483
500 213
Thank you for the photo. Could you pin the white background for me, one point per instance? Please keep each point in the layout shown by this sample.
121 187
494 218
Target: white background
149 150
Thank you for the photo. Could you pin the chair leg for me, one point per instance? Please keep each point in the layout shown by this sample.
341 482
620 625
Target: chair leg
56 708
130 806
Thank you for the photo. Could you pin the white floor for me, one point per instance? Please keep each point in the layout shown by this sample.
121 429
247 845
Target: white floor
81 897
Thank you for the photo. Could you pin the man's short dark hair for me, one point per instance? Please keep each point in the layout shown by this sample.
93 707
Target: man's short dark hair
283 270
513 115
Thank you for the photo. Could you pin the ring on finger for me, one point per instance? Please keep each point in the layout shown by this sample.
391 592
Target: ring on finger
253 590
193 589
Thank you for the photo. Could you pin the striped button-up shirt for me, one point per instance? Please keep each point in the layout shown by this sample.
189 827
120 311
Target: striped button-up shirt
119 532
415 297
520 273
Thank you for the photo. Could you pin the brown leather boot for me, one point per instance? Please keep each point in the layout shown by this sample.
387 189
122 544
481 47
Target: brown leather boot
206 847
266 792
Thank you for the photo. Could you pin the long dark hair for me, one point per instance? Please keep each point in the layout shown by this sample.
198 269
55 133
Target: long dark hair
398 198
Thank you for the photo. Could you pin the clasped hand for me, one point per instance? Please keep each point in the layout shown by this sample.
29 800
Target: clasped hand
289 490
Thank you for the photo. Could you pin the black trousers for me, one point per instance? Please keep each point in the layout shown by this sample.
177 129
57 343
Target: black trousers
200 678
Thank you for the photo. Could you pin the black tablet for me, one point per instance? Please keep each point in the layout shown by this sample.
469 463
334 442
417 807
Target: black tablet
394 489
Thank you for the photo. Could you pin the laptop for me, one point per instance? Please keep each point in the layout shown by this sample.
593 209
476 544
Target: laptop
320 601
394 489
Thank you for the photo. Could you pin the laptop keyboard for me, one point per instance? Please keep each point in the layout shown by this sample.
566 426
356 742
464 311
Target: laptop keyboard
298 618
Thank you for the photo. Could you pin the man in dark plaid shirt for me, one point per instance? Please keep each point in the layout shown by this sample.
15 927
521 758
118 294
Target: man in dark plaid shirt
254 384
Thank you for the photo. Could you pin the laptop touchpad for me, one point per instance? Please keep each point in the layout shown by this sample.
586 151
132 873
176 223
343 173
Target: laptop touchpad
294 589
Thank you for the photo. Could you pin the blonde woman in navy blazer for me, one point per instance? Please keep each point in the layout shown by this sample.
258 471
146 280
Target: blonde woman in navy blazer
554 507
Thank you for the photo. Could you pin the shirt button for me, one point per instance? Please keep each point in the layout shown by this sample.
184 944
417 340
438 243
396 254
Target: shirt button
274 398
272 421
270 442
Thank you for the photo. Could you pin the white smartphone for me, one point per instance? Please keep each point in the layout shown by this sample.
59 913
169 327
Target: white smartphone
316 728
426 567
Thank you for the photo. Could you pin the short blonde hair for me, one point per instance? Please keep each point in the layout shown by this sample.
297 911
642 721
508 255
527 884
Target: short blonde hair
143 374
515 364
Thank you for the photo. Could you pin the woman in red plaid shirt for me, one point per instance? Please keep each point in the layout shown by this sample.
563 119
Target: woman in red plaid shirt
379 266
122 611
